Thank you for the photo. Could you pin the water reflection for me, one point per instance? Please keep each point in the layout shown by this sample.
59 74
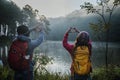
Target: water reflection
62 59
59 67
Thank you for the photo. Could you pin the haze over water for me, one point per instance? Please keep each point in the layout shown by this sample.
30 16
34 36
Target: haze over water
62 59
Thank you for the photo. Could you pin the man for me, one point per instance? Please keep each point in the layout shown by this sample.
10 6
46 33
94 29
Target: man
23 35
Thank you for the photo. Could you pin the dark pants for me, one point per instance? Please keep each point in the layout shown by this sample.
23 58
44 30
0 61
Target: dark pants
23 75
81 77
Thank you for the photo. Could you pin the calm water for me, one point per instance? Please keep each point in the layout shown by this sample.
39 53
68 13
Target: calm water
62 59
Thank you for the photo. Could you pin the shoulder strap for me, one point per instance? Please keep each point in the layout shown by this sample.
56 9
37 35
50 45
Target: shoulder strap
28 53
90 47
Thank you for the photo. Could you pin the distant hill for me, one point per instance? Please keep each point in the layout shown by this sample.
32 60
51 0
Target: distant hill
81 20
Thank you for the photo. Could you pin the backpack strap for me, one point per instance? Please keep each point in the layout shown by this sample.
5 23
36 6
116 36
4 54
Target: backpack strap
28 51
90 47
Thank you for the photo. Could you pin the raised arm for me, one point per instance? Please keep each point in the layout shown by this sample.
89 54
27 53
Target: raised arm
66 45
39 40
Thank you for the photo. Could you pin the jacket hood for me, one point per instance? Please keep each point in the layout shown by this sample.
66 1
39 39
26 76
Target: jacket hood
23 38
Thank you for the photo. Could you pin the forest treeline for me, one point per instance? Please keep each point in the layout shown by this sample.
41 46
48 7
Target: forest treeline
12 16
59 25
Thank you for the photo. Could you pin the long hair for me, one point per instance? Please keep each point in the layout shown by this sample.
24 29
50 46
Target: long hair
82 39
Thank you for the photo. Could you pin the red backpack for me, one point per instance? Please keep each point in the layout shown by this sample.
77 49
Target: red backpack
16 56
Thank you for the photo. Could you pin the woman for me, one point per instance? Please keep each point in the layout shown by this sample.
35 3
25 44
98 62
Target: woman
81 41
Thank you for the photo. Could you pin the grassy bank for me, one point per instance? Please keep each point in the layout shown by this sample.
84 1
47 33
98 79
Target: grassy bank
7 74
40 72
112 73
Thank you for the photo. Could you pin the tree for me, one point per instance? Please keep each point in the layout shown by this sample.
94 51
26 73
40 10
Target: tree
104 24
9 14
12 16
46 23
32 18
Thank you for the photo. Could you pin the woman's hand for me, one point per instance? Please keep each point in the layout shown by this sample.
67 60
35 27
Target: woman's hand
72 30
76 30
68 31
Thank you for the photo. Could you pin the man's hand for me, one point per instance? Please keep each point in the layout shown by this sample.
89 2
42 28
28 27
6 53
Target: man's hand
38 28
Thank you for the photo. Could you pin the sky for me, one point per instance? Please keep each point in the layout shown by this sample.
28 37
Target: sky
53 8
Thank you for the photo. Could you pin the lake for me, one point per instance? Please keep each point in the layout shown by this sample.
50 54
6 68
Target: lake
62 59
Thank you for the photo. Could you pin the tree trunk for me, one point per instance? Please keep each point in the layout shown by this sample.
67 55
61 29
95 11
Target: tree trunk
4 55
107 48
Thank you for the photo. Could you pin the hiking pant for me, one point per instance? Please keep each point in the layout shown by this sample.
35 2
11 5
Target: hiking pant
23 75
82 77
71 78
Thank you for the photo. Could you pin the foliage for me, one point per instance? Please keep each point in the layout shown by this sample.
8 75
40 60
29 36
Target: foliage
40 62
105 23
33 18
113 73
46 23
13 16
9 13
51 76
98 29
5 40
40 72
6 73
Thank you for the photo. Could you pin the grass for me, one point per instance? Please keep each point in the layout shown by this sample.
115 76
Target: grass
7 74
40 73
50 76
112 73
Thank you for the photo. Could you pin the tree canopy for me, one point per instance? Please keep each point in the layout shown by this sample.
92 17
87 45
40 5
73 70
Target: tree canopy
13 16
